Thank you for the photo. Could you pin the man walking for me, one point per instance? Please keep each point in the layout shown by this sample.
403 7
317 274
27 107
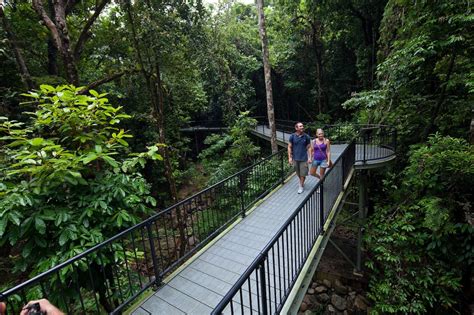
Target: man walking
299 153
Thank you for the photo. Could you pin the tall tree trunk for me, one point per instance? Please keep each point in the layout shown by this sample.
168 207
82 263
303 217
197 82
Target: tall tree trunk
56 22
52 58
268 75
153 80
60 34
20 61
52 49
319 66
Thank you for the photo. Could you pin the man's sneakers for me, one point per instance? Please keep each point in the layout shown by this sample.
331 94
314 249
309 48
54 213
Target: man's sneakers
300 190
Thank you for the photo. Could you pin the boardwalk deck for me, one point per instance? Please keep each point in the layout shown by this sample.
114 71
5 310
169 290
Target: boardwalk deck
198 287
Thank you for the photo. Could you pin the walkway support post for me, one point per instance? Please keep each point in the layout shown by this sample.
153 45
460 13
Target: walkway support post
282 168
242 201
321 207
362 216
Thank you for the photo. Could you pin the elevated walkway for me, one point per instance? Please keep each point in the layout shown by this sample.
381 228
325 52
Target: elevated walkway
200 285
243 245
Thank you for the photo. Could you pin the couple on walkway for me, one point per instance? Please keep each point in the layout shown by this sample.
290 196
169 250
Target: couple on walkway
302 151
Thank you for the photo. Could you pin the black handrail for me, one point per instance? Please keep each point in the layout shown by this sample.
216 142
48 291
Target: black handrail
108 276
374 142
291 245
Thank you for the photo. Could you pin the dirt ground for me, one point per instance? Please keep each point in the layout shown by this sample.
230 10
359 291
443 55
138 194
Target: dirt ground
334 266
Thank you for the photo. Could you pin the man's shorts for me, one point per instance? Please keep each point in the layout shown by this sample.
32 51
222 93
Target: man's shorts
316 163
301 168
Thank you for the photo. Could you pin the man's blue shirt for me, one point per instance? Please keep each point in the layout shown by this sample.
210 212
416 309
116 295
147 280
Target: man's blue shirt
299 144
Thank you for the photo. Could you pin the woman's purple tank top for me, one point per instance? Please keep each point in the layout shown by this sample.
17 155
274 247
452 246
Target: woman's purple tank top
319 154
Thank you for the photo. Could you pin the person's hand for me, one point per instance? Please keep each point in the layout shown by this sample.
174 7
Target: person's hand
45 306
309 161
3 308
290 160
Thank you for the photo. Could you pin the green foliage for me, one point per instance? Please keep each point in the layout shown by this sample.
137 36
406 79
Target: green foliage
425 70
68 179
230 152
423 246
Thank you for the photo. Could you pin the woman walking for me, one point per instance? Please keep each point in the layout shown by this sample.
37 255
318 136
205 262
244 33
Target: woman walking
321 153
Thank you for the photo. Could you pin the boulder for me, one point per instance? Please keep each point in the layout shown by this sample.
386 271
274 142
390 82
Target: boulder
360 303
320 289
327 283
338 302
303 307
310 291
323 298
339 287
330 310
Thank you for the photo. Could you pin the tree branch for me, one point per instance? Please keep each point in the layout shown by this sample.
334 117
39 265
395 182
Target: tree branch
38 6
24 73
85 34
109 78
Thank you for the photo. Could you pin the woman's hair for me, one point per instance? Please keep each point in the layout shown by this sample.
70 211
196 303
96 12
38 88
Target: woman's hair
319 130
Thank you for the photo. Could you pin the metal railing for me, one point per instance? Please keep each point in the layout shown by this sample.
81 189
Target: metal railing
268 281
107 277
373 142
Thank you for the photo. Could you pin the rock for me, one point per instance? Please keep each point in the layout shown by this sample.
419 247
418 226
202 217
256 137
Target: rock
340 288
320 289
314 285
327 283
359 302
338 302
331 309
309 312
352 294
346 312
313 301
323 298
310 291
303 307
350 303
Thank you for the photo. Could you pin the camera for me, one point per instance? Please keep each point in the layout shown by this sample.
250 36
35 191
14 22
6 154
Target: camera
34 309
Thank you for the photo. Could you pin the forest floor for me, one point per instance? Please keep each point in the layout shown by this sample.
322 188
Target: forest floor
334 266
197 181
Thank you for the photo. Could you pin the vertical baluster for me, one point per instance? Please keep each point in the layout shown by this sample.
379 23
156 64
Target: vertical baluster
153 254
263 286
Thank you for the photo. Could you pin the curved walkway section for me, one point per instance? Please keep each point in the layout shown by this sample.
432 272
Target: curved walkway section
371 151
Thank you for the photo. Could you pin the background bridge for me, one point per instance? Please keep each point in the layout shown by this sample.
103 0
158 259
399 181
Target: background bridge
241 245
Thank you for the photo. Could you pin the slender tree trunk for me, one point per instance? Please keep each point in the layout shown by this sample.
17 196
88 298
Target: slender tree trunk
268 75
52 49
319 70
52 58
20 61
153 79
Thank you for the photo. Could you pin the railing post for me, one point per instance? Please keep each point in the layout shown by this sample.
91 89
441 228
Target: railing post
321 205
264 287
153 255
242 199
343 165
282 166
364 144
